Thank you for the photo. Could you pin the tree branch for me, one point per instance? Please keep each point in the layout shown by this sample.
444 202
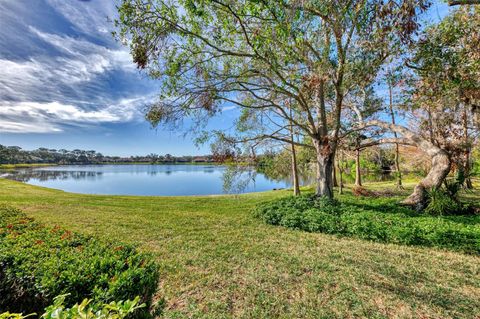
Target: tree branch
462 2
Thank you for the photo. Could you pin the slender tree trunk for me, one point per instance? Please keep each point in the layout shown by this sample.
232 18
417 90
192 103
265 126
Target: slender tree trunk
397 147
467 168
397 167
335 182
340 172
254 155
296 186
358 172
324 176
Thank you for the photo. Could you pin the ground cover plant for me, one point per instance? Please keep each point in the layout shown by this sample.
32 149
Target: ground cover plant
40 262
218 261
85 310
385 223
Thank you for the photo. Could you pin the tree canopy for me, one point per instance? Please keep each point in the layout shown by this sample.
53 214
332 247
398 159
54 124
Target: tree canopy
262 55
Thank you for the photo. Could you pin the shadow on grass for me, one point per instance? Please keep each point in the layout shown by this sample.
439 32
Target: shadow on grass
393 206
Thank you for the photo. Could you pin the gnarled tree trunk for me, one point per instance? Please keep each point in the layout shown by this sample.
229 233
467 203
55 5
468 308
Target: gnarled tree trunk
324 176
441 162
440 168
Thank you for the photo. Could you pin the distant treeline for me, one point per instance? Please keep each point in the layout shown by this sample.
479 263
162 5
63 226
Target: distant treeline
16 155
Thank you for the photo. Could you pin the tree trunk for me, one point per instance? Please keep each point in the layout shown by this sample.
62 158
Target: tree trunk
397 148
324 176
340 172
334 172
358 173
466 169
441 165
397 167
296 186
462 2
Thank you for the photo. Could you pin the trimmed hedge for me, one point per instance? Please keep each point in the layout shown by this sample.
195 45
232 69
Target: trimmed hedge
313 214
38 263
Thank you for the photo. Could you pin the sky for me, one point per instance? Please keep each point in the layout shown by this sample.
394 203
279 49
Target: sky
66 83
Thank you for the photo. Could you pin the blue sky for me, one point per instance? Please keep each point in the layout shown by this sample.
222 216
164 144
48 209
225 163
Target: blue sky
65 83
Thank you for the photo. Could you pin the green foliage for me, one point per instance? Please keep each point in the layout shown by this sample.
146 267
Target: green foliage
113 310
278 166
274 212
441 202
476 168
8 315
444 200
39 263
86 309
380 223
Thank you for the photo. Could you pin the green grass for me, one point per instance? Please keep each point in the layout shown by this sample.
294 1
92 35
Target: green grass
218 261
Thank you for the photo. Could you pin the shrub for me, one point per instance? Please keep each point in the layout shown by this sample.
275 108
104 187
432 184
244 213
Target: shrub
384 223
274 212
113 310
39 262
441 202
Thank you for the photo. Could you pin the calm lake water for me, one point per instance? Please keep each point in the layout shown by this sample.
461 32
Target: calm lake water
166 180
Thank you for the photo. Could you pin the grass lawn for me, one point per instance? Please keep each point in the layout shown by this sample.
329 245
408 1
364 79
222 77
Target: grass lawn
217 261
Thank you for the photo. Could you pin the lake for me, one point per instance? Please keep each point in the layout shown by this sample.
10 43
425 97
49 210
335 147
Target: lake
162 180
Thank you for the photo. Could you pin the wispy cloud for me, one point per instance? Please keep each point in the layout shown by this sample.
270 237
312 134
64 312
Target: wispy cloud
82 51
68 79
92 17
34 117
229 108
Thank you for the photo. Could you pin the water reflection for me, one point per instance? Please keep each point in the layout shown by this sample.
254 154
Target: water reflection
44 175
148 179
166 179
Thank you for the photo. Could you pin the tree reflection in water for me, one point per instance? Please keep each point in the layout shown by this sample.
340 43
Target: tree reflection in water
52 175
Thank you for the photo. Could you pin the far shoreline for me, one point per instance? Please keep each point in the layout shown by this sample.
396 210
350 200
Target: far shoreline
37 165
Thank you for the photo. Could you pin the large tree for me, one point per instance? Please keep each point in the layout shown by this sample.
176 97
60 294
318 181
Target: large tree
445 97
448 62
255 53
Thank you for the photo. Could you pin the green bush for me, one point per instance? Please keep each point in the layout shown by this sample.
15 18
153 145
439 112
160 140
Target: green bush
373 221
38 263
84 310
442 202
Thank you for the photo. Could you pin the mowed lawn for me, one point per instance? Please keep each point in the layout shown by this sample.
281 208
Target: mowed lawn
217 261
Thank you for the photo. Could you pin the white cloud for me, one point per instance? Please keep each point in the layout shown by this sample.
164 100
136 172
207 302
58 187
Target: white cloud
81 50
37 127
35 117
90 17
228 108
68 80
81 62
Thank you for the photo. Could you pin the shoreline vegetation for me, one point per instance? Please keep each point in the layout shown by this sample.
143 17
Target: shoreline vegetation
15 157
37 165
217 260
